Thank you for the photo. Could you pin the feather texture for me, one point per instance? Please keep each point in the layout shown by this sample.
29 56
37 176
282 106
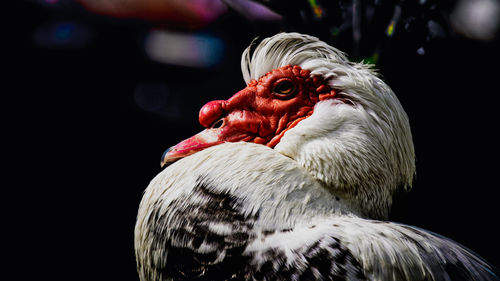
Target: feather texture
304 210
196 226
371 132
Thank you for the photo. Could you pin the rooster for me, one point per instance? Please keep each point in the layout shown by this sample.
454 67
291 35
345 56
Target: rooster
292 179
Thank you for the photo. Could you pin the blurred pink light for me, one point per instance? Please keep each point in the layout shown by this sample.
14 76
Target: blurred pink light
193 12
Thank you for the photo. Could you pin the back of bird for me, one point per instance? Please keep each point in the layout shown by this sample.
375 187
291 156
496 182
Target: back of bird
392 251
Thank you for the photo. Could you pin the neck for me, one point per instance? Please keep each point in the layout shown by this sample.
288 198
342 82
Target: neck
343 154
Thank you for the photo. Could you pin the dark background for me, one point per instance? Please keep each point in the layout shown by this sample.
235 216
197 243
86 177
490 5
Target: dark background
87 123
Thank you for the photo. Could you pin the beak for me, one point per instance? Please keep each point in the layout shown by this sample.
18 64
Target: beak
200 141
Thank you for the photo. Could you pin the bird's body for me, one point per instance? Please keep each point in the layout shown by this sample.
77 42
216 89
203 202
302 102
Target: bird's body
288 178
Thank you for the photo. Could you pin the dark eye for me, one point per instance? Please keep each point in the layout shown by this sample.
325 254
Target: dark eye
284 88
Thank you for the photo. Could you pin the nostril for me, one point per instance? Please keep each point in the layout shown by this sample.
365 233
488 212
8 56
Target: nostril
218 124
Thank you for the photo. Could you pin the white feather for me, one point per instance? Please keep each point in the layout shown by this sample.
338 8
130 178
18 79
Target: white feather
282 191
322 181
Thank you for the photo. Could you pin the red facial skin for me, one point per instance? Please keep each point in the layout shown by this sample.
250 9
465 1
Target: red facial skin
261 113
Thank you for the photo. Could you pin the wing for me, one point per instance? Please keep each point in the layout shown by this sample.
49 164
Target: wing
391 251
205 236
200 236
302 253
359 249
